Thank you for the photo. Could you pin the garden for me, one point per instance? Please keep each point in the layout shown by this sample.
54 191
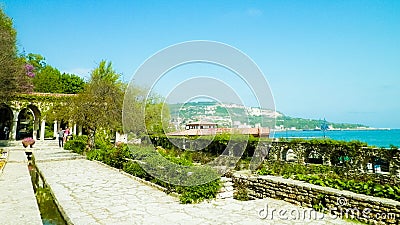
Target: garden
337 164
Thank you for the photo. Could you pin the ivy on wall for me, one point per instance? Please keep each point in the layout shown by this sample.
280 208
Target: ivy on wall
353 155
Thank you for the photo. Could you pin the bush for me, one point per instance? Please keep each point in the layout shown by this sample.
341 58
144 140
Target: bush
241 192
76 146
280 168
48 133
83 138
369 188
195 194
136 170
115 156
95 154
334 177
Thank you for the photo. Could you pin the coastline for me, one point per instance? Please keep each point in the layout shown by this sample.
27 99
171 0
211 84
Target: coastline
335 129
374 137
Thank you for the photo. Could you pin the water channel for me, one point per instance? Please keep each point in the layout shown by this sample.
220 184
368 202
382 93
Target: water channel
48 209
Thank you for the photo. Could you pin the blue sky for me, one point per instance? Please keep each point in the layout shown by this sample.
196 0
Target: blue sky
333 59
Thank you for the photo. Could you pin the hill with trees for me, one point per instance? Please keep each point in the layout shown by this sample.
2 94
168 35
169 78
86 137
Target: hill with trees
224 113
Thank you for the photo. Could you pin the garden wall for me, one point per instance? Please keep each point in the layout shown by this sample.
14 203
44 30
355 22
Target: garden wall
334 202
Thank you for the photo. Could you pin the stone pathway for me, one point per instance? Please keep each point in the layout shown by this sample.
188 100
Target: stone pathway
92 193
17 199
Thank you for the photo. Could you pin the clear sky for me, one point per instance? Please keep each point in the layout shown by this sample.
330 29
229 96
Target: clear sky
333 59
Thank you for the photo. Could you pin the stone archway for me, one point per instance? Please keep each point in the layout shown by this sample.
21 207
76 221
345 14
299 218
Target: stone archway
25 124
6 118
28 122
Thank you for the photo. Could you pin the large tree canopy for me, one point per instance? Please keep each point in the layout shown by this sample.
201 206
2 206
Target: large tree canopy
48 79
12 76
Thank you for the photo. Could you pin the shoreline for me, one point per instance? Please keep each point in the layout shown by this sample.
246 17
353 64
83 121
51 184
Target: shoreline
338 129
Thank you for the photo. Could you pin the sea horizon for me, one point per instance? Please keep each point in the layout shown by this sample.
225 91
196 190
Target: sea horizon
379 137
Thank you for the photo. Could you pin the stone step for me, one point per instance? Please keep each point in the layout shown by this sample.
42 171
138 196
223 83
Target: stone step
226 191
225 195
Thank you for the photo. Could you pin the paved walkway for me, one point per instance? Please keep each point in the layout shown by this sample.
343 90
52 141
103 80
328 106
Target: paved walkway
17 199
91 193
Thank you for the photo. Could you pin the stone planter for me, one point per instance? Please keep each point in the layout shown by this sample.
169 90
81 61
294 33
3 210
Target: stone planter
28 142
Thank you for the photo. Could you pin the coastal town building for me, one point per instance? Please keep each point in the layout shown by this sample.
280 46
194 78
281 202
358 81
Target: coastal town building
203 128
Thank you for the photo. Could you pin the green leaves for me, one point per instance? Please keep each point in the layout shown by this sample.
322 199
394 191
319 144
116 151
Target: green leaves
12 76
105 73
327 176
368 188
76 146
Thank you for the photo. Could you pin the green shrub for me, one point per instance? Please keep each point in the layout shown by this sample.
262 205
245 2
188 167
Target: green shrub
76 146
110 155
96 154
241 192
83 138
264 171
135 169
48 133
194 194
368 187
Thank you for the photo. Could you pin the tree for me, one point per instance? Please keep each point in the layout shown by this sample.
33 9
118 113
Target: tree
12 76
71 84
48 80
99 104
144 114
157 116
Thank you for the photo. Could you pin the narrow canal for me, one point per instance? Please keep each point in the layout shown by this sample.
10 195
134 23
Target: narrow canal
48 209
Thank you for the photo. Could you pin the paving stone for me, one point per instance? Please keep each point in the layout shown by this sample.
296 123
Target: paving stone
17 200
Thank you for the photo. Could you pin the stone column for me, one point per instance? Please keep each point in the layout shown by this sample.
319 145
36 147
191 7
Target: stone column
35 129
42 129
55 129
13 133
74 129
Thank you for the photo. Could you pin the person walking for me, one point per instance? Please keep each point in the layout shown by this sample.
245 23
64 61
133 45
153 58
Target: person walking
61 138
66 134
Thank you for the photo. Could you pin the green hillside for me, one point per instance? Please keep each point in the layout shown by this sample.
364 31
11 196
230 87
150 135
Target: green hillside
224 114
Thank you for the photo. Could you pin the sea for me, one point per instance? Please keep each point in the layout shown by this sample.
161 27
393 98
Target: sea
378 138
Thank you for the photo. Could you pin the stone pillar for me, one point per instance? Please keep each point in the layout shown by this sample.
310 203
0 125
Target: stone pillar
80 130
35 129
74 129
42 129
13 133
55 129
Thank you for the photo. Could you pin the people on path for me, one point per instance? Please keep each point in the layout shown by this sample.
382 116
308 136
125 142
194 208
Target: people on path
61 137
66 133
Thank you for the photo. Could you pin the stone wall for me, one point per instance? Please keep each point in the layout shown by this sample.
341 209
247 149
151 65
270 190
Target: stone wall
336 203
